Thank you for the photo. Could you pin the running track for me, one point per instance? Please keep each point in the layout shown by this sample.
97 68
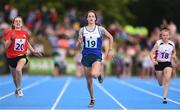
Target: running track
70 93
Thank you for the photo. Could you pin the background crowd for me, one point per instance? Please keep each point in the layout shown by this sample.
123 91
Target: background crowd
57 40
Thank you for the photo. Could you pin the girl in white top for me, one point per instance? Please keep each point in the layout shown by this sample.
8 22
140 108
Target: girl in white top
91 38
162 55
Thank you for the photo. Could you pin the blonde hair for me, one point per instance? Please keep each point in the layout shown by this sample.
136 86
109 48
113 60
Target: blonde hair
164 28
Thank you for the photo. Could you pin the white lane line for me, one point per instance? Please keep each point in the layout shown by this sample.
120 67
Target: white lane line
171 88
26 87
93 109
11 81
143 90
110 109
61 93
110 95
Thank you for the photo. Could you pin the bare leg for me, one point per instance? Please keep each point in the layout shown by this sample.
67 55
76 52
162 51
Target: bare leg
13 72
159 77
167 77
91 91
90 86
96 69
89 81
19 67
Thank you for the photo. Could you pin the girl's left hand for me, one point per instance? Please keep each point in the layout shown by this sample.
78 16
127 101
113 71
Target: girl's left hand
37 53
109 54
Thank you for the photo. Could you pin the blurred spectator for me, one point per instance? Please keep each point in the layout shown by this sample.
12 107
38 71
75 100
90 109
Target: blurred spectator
45 14
154 36
53 34
38 22
71 16
79 66
99 17
30 19
53 17
7 13
59 56
13 13
127 61
175 37
147 65
119 61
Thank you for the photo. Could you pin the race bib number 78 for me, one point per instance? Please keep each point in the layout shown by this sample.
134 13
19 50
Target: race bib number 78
19 44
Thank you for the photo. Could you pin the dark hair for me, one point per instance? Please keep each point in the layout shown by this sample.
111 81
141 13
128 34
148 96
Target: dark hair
12 23
93 11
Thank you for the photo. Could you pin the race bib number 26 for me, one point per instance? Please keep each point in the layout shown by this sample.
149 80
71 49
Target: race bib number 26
19 44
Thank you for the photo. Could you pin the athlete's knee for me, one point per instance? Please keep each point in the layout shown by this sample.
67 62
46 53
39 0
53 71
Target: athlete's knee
94 74
167 76
89 80
18 70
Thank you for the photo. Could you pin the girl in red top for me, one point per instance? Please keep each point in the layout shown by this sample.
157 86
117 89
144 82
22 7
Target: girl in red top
16 43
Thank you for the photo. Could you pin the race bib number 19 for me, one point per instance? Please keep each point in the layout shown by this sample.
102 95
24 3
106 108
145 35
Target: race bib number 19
19 44
91 43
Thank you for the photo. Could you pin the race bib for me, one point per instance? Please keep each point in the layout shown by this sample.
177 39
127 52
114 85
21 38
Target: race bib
91 42
19 44
164 55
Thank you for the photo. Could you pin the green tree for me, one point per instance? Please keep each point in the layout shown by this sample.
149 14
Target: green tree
113 10
116 10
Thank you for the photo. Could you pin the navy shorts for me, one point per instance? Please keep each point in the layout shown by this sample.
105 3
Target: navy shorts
89 59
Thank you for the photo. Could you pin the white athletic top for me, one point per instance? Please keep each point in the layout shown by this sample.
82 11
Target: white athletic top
164 51
92 40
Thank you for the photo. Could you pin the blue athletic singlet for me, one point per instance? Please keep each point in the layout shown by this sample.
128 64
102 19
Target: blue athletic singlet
92 42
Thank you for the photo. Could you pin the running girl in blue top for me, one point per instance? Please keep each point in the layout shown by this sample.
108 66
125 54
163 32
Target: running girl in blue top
91 37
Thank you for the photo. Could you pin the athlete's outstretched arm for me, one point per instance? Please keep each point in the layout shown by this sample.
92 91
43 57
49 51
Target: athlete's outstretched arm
107 34
9 41
36 53
79 41
174 57
153 54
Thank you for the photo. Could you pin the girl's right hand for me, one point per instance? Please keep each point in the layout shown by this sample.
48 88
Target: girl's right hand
80 39
12 36
155 62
